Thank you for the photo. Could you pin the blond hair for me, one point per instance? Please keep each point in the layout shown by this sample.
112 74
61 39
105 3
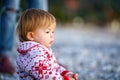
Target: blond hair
31 19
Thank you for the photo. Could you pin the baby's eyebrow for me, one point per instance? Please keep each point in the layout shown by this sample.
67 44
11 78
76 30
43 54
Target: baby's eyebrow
49 29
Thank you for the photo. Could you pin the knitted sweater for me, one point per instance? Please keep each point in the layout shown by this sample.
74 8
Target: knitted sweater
36 62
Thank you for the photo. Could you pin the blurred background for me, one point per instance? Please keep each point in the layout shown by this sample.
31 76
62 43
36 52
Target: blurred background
98 12
87 39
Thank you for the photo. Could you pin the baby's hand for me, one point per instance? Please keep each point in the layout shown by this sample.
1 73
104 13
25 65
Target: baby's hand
73 76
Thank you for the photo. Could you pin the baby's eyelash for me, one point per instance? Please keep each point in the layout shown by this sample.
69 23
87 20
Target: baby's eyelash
50 31
47 32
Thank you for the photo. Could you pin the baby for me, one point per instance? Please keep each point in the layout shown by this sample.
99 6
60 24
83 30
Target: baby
36 61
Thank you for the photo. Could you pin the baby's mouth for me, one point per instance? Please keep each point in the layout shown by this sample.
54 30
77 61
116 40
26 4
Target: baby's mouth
51 42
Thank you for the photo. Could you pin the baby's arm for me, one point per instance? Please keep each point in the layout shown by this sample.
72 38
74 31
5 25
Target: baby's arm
64 72
40 68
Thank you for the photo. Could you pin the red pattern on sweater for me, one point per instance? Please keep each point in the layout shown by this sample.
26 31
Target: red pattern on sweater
36 62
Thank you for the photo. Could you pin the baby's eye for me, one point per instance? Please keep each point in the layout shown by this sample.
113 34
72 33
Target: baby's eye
47 32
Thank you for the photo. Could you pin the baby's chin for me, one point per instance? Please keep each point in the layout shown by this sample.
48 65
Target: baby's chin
48 46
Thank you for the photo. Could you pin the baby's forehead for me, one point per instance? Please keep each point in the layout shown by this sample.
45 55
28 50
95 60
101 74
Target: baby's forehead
52 26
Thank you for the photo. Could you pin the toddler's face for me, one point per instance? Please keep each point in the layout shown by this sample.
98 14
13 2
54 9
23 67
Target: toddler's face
44 36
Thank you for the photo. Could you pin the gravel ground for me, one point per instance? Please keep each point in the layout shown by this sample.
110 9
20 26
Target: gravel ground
92 53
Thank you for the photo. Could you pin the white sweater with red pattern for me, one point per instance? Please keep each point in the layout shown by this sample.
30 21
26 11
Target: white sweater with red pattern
36 62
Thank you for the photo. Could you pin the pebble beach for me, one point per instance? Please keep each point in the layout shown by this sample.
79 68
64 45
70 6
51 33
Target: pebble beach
93 53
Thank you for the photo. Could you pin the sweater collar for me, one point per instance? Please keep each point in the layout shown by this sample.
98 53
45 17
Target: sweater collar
25 46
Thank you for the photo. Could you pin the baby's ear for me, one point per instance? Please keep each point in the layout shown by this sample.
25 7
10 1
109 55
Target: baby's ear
30 36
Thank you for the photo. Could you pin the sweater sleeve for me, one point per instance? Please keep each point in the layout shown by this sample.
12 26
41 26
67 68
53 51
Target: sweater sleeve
41 67
63 71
